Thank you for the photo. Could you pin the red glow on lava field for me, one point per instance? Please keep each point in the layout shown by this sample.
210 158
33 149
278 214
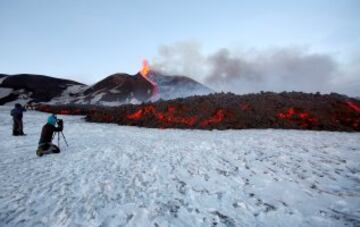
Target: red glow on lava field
304 119
175 116
353 106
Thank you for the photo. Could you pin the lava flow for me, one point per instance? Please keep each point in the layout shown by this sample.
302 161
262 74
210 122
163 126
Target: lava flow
167 117
353 106
216 118
229 111
176 116
304 119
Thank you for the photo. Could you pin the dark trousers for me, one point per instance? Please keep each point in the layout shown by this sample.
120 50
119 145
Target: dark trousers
49 148
17 127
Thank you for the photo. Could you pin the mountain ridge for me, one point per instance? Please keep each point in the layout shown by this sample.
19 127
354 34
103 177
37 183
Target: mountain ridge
116 89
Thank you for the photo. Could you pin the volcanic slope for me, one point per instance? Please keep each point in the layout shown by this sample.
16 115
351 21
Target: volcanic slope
114 175
114 90
26 88
174 86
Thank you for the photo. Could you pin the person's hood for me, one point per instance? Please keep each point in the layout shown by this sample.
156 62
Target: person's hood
52 120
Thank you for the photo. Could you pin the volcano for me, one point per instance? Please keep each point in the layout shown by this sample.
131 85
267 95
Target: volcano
145 86
114 90
118 88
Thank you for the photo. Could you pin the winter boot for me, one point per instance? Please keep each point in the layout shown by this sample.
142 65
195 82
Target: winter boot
39 152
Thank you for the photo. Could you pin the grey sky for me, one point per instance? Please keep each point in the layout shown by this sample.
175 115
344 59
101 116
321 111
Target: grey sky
86 40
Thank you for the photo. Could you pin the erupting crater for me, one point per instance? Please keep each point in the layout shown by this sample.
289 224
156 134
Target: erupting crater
145 72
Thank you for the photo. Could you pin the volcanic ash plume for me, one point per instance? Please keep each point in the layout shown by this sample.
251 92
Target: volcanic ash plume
284 69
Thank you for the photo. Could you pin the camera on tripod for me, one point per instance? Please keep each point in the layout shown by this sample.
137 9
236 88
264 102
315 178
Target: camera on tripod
60 122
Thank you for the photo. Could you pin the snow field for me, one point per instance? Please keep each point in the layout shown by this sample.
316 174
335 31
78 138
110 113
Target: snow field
126 176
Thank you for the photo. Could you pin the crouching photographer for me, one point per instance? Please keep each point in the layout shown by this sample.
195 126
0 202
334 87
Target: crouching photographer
52 126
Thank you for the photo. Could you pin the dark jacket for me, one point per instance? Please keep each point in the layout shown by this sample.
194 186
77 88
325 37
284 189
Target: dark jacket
17 112
47 133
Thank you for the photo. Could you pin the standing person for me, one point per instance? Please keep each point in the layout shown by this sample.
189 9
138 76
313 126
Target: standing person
47 132
17 114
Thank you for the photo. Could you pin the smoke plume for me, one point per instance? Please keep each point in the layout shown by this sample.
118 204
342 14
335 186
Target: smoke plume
282 69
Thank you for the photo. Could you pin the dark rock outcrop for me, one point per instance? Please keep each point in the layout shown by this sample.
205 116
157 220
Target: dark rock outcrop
37 88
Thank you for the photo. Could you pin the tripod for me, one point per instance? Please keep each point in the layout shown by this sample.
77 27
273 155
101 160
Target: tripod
63 136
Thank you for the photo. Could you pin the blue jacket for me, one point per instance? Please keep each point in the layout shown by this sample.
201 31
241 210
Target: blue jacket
17 113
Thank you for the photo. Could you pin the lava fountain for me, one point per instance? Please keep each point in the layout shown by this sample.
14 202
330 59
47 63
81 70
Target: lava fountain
145 73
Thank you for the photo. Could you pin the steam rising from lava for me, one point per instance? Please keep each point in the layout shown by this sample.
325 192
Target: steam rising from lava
284 69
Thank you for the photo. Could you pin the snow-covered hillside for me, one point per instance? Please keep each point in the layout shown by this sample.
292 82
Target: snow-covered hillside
114 90
127 176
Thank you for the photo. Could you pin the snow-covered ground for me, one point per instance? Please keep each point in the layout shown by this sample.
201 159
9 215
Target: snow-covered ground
5 91
127 176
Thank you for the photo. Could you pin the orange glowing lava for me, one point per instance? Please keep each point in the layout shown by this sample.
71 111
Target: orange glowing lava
167 117
145 69
216 118
353 106
144 72
302 118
